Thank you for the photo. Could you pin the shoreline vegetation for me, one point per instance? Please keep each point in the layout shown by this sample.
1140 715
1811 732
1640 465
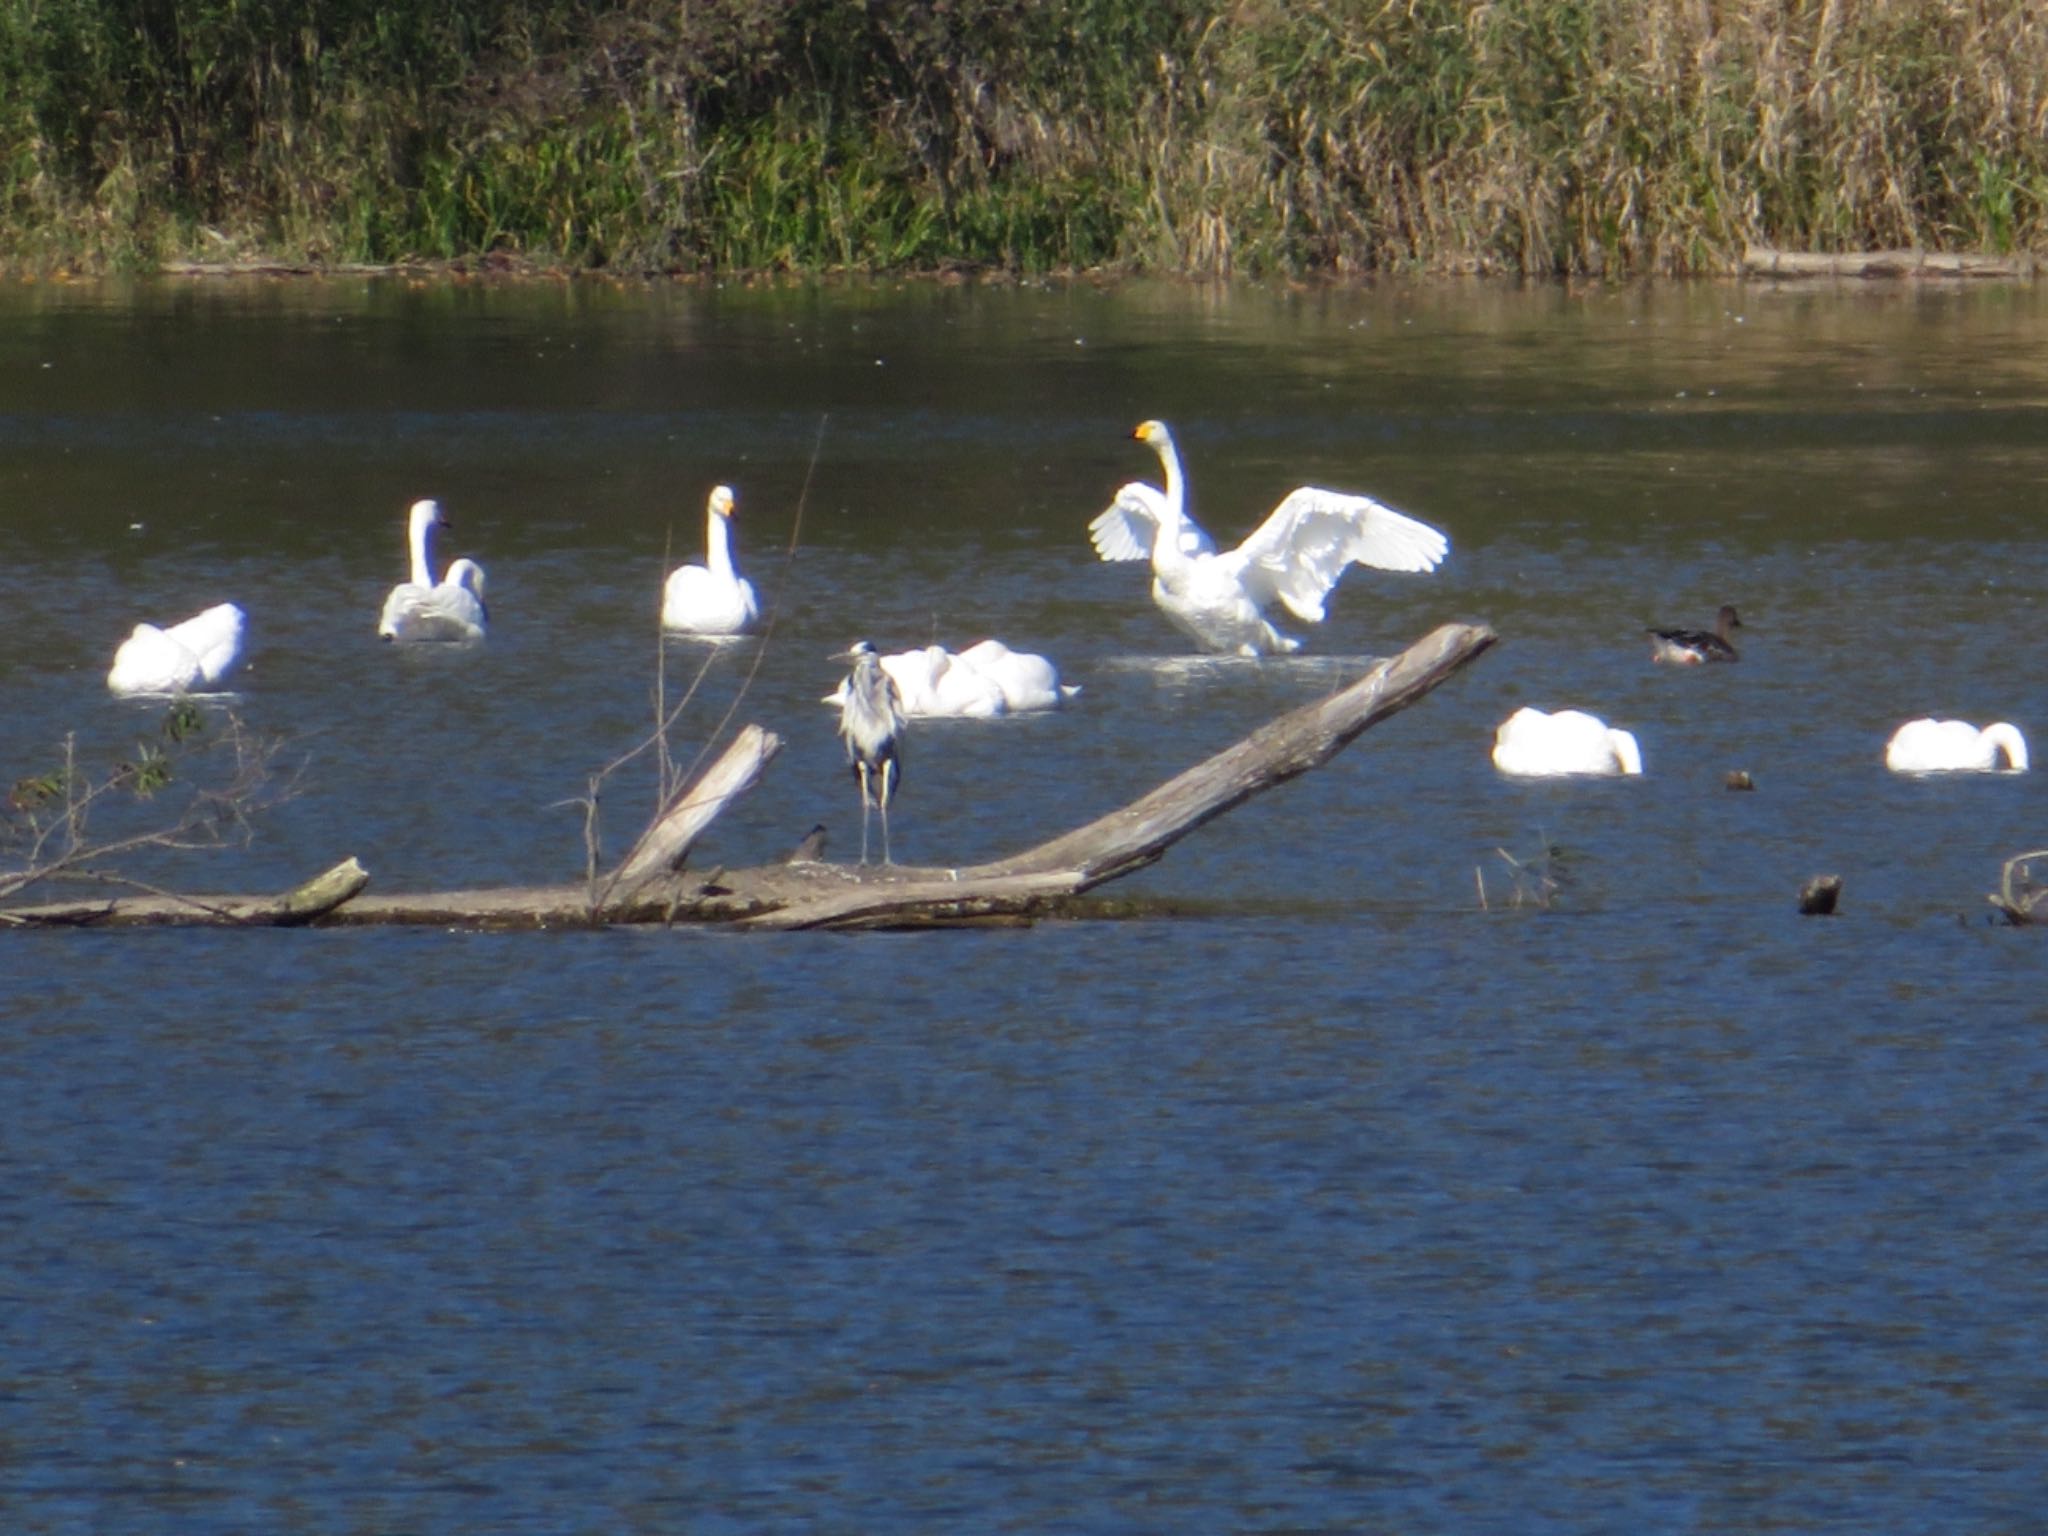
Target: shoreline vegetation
1204 138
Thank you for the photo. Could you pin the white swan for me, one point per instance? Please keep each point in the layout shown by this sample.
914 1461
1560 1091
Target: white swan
710 599
1028 681
1531 743
985 680
933 684
1294 557
423 609
186 658
1955 746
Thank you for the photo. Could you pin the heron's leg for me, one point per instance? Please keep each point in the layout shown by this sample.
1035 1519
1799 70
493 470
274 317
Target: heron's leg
885 836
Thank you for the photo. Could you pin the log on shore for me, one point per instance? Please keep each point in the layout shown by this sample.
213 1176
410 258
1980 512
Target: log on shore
1761 261
1043 880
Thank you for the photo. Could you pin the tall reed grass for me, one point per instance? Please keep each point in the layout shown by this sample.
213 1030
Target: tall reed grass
1198 136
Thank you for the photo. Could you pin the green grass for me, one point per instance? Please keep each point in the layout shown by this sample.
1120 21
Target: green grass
1274 137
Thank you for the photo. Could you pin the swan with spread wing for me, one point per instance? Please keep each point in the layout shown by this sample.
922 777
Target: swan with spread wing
1295 557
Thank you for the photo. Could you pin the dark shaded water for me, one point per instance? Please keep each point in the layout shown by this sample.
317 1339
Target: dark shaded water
1348 1206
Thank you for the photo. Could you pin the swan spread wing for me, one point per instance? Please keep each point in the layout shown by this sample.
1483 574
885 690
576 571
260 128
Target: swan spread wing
1298 553
1126 529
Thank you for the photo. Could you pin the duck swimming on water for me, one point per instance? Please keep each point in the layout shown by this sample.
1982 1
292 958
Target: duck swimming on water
1693 647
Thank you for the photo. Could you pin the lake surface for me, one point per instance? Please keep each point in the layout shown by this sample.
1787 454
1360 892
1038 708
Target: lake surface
1341 1204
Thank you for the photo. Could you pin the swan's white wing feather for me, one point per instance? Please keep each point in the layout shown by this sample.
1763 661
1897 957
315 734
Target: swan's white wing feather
1298 553
1125 530
214 638
444 612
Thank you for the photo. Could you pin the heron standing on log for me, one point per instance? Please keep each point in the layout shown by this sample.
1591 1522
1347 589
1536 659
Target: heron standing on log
871 722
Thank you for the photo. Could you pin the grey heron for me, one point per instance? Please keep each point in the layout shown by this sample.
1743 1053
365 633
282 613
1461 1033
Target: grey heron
871 723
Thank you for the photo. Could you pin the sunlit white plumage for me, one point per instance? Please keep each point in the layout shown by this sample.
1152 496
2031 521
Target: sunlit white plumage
424 609
710 599
871 725
985 680
190 657
1295 557
1028 681
1955 746
1531 743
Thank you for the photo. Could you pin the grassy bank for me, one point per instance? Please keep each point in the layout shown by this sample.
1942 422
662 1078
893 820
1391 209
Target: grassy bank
1201 136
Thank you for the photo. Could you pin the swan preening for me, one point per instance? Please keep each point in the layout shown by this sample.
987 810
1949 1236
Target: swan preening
1955 746
985 680
870 723
191 657
424 609
1294 557
710 599
1531 743
1693 647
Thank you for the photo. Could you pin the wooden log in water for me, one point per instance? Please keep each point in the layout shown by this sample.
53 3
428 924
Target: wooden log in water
1761 261
813 894
1139 833
664 846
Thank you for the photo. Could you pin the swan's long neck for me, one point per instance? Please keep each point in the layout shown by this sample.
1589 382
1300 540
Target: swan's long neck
422 566
1176 486
1166 538
1626 752
717 547
2011 741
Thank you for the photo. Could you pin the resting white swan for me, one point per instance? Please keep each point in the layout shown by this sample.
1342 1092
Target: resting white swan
1029 682
1532 743
1955 746
710 599
1294 557
186 658
423 609
983 681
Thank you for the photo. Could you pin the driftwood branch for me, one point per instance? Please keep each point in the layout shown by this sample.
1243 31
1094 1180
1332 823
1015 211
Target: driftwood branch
1761 261
1130 838
664 846
809 894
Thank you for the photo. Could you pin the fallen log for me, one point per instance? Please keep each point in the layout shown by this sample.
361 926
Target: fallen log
1039 881
1762 261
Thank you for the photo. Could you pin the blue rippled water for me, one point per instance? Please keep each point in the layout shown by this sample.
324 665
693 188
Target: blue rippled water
1338 1204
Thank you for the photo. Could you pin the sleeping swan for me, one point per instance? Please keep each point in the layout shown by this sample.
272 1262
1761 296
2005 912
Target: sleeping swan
985 680
191 657
1531 743
1955 746
1294 557
710 599
424 609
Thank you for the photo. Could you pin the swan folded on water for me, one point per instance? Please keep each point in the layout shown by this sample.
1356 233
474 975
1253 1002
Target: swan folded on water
710 599
423 609
1955 746
1294 557
1693 647
190 657
1531 743
1028 681
985 680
